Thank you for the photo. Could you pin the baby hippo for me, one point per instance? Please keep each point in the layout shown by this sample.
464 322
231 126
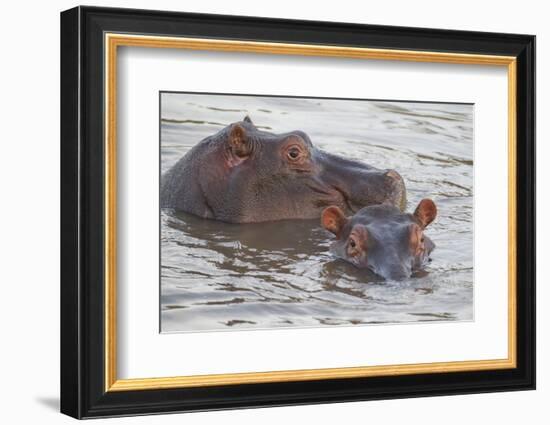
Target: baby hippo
381 238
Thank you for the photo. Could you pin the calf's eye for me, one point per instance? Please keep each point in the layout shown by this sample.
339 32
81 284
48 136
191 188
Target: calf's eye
352 243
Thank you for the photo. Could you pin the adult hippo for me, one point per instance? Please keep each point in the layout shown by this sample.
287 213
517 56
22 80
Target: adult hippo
243 175
381 238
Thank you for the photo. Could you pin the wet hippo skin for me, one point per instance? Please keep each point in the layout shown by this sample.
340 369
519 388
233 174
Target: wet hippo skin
244 175
382 238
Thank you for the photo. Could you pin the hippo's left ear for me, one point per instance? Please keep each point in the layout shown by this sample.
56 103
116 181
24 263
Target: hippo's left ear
425 212
333 219
248 120
238 140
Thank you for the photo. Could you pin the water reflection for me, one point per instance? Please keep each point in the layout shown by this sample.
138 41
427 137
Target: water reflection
280 274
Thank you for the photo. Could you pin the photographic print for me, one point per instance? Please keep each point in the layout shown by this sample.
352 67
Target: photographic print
200 212
280 212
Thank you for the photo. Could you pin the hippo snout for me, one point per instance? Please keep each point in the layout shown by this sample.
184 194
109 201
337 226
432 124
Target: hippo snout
376 188
396 189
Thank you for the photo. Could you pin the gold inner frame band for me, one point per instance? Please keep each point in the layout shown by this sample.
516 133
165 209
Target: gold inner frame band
113 41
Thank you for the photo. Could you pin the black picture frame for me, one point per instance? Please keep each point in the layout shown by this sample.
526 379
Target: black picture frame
83 392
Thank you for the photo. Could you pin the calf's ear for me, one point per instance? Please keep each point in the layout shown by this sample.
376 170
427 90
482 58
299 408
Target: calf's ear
425 212
248 120
333 219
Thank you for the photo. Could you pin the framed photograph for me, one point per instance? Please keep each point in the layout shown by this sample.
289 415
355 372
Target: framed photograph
261 212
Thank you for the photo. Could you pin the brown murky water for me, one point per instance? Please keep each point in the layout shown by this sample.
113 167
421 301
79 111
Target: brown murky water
219 276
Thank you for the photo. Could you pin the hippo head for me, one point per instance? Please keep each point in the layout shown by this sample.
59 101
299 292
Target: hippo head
381 238
243 174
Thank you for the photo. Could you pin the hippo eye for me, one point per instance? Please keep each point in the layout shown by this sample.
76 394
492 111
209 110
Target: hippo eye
293 153
352 243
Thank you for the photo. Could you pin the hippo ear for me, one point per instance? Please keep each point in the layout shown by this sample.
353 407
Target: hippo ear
248 120
333 219
425 212
238 140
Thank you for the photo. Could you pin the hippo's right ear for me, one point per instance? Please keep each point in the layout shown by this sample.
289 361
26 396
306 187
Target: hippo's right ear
248 120
425 212
238 141
333 219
